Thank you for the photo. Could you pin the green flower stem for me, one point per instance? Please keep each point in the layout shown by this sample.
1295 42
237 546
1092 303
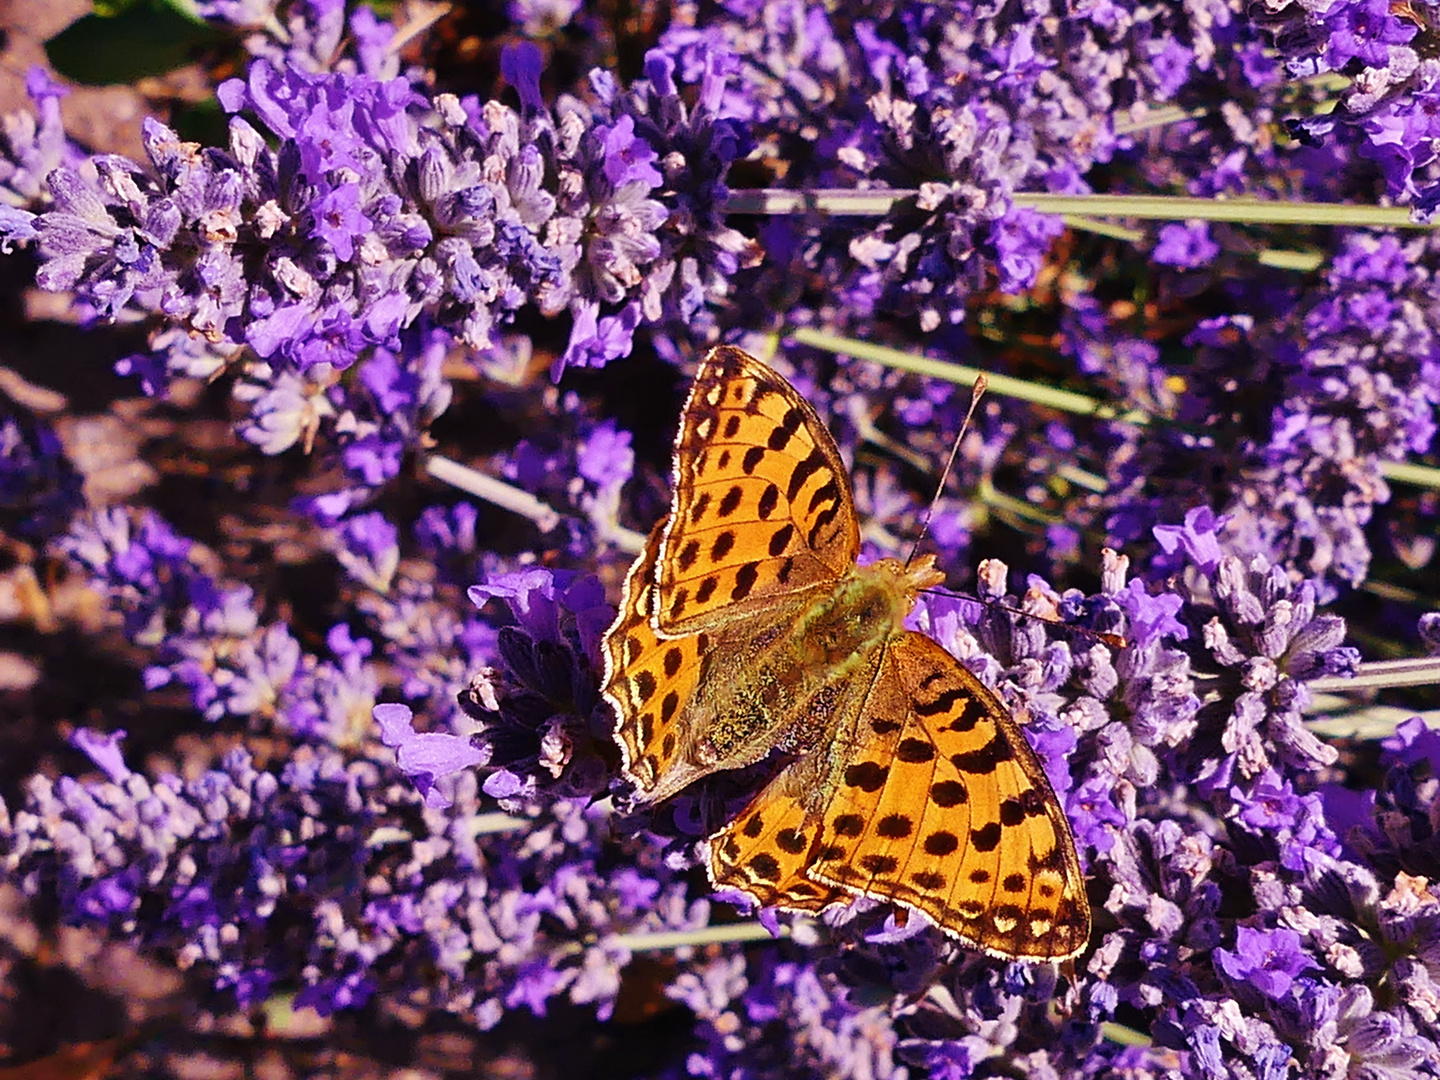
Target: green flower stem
845 202
1036 393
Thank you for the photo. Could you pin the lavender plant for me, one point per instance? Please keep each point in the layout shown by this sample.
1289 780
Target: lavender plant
367 763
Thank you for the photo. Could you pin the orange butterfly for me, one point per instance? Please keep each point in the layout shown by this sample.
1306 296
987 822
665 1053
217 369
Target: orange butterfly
747 629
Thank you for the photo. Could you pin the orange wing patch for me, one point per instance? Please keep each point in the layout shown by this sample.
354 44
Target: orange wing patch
948 811
767 850
649 682
762 507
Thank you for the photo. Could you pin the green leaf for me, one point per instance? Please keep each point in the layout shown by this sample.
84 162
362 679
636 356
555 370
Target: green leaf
137 38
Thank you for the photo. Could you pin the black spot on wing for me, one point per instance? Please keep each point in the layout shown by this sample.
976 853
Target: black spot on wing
780 540
948 793
894 827
1050 860
915 751
790 841
781 436
702 503
764 867
985 759
879 864
941 842
866 775
745 579
987 837
633 645
943 703
812 464
688 554
827 493
971 713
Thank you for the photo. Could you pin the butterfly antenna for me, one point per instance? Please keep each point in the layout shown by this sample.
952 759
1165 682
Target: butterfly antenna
1115 641
976 390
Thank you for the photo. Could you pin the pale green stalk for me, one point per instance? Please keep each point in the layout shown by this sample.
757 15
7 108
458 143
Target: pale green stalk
846 202
1035 393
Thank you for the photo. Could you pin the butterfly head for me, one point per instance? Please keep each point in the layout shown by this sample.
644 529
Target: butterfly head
910 578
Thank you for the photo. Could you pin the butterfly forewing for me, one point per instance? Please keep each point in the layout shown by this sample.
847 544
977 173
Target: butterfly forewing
946 809
762 505
664 699
649 682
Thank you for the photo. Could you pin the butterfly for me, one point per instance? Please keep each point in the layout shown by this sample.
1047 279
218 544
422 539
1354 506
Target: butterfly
748 630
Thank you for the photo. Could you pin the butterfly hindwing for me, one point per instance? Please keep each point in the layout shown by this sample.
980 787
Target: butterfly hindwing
762 504
766 851
946 809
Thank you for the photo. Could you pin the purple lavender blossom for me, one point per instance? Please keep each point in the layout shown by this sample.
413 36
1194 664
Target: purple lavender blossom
1185 246
40 490
967 106
384 220
1346 378
428 758
33 147
1387 110
206 635
349 268
541 720
492 919
544 734
310 35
